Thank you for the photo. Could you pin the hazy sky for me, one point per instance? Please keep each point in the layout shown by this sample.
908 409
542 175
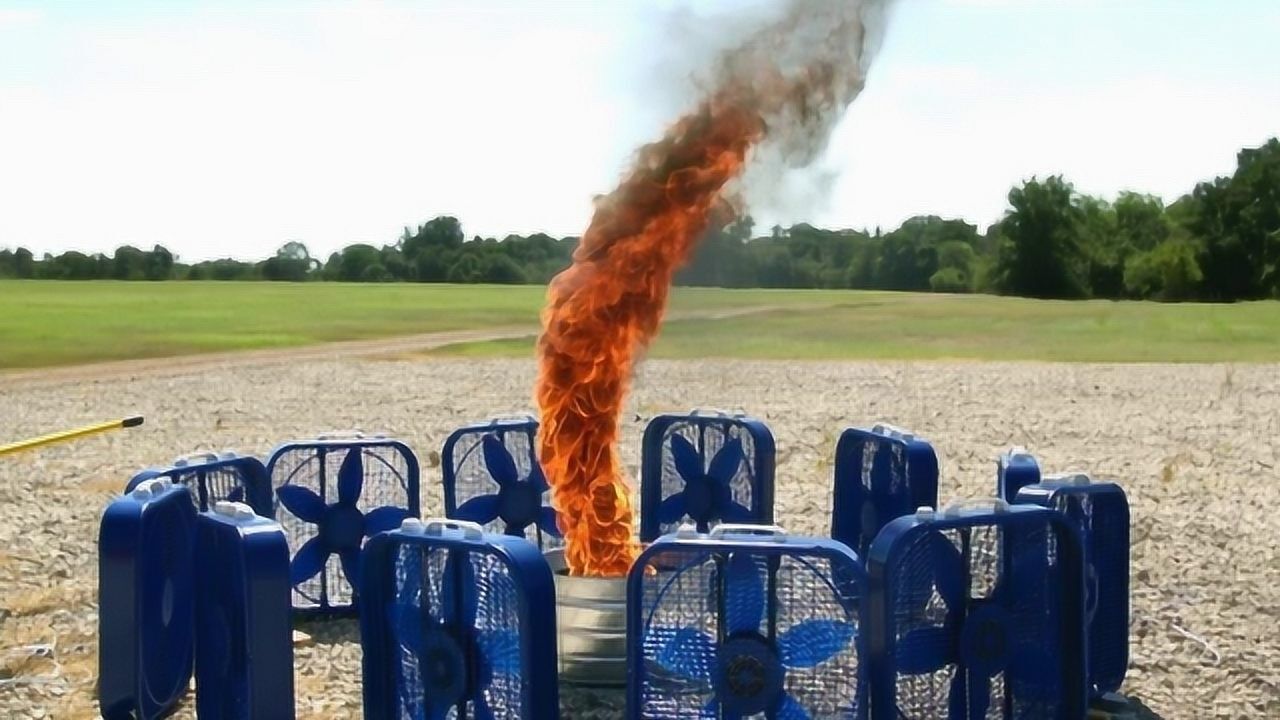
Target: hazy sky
227 128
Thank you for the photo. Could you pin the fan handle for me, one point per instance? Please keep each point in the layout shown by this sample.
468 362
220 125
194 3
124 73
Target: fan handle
999 505
1069 478
715 412
196 457
517 417
437 526
351 434
774 532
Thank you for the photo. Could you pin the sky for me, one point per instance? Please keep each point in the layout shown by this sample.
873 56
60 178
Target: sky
229 128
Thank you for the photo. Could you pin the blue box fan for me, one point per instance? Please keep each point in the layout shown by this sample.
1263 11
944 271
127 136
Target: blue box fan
216 477
705 468
332 493
492 477
1101 511
746 622
146 601
457 623
978 612
880 474
1015 469
244 636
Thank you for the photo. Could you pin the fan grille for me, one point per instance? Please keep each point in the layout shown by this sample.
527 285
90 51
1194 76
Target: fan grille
471 476
708 436
166 558
419 584
386 483
1104 519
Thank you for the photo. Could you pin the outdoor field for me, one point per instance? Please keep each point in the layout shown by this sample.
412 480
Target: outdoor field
63 323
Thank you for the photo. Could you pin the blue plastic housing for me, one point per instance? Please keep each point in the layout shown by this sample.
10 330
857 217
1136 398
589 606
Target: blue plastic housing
145 601
1015 469
705 468
244 633
880 474
1101 511
492 477
746 622
331 494
978 612
455 622
214 478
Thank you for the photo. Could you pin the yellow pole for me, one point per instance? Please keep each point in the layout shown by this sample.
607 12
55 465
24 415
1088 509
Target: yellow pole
69 434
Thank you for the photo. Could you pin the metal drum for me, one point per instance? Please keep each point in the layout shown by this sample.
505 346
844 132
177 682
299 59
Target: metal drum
591 617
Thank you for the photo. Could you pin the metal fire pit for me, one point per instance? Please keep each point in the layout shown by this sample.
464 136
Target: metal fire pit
591 619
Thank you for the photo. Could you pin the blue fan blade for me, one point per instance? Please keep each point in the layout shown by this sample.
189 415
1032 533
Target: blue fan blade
351 477
480 509
789 709
925 650
688 461
671 509
735 513
409 627
537 478
547 521
687 652
725 464
814 642
236 494
710 711
502 467
383 519
304 504
979 694
309 560
459 589
744 594
480 707
351 565
948 571
501 649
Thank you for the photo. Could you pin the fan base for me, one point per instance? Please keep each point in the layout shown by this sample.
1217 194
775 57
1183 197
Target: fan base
591 621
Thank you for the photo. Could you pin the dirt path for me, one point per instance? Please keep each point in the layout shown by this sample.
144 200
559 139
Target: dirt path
185 364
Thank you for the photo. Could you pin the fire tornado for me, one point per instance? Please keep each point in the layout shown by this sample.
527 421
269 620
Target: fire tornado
784 87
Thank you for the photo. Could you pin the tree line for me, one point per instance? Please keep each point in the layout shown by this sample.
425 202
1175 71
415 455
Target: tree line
1221 242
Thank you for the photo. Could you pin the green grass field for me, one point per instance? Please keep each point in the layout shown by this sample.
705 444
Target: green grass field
59 323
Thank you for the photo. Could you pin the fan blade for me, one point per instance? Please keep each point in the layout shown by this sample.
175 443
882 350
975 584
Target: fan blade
351 477
410 630
710 711
957 702
502 467
725 464
383 519
685 651
924 650
688 461
304 504
459 589
501 650
948 571
814 642
735 513
308 561
744 594
537 478
480 707
351 565
979 694
547 521
789 709
671 509
236 494
481 509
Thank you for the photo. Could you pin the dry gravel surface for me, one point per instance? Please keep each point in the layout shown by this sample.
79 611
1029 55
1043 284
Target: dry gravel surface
1195 446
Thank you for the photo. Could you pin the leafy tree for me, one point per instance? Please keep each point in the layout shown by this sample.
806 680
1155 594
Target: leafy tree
159 264
292 262
1167 272
1041 254
465 270
502 270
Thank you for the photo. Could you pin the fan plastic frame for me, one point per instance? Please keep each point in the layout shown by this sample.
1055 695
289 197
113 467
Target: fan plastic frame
1015 469
246 557
899 535
763 468
528 570
898 453
1108 629
135 605
196 469
770 542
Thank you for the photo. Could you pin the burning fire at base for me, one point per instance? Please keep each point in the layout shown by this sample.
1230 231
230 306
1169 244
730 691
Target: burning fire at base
786 86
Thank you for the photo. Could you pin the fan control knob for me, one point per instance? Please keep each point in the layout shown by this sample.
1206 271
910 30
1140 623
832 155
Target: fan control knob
234 510
687 531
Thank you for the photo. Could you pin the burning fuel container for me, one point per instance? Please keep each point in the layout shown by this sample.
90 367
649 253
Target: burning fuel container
591 616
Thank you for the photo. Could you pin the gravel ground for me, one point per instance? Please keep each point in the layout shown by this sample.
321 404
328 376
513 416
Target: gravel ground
1196 447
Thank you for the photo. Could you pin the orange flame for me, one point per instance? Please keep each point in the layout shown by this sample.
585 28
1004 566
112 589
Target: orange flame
608 305
793 78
